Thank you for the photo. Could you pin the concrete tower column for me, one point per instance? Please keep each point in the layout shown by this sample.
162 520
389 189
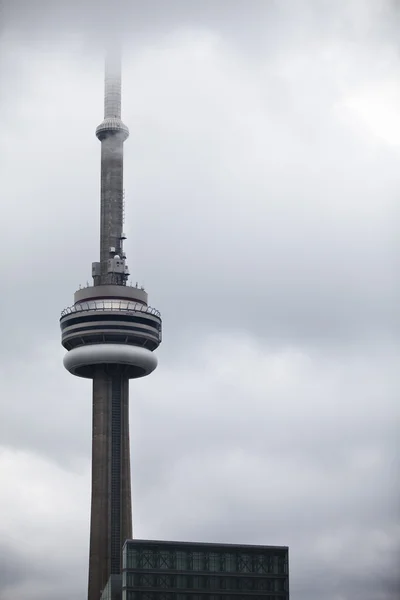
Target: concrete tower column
111 511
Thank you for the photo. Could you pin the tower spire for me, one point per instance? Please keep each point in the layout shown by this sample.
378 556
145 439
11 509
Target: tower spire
112 132
112 83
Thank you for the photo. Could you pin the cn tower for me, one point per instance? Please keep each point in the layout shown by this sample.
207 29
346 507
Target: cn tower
110 334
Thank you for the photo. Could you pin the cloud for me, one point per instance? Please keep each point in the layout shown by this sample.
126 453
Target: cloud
261 212
43 526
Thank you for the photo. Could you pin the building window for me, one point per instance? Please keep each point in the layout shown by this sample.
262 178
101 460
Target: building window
181 581
132 558
230 563
222 583
165 560
181 561
147 560
197 564
245 563
214 562
282 566
199 582
269 564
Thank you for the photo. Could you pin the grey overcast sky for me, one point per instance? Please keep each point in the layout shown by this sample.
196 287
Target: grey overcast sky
262 213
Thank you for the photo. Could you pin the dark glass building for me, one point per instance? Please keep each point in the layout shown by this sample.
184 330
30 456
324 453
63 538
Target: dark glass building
154 570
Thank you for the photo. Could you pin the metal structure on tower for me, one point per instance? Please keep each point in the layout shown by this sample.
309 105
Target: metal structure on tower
110 334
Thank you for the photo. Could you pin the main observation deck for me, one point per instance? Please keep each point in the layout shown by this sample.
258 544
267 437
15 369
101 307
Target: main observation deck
110 321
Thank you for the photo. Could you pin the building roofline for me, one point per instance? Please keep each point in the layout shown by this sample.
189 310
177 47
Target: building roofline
142 542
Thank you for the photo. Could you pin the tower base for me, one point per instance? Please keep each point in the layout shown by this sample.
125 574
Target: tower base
111 511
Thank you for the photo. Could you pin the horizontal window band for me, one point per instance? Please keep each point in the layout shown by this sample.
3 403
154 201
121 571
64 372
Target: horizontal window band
112 317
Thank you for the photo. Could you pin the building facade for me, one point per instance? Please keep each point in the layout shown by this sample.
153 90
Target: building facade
160 570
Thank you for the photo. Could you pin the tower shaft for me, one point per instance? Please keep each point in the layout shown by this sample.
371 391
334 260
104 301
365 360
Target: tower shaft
111 513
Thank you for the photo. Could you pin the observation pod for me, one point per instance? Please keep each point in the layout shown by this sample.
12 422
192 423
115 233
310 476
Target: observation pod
112 126
102 330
